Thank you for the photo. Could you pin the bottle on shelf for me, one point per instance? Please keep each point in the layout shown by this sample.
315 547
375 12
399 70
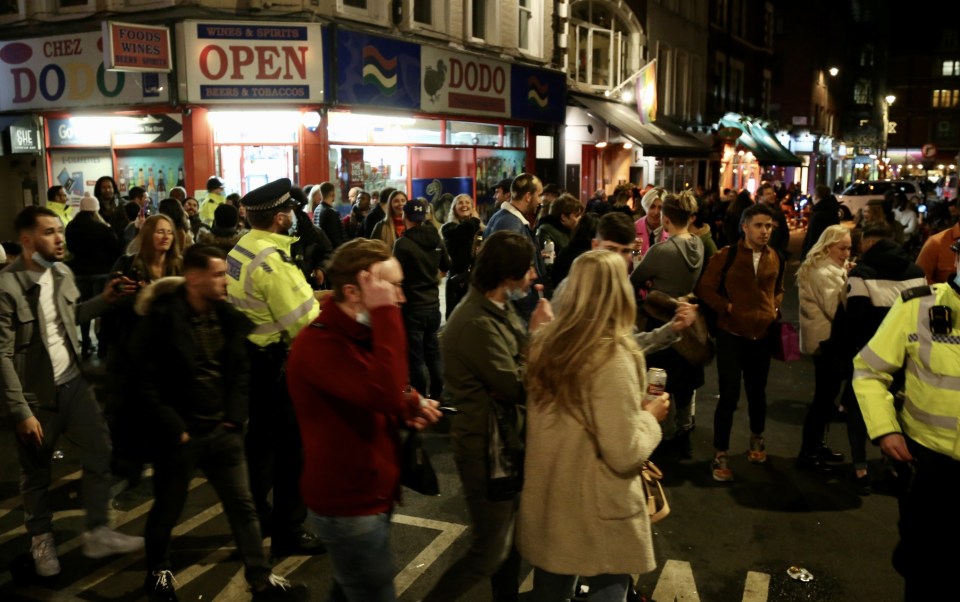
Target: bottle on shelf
122 183
180 181
140 181
161 186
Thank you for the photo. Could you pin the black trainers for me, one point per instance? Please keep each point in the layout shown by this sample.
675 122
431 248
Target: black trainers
825 454
160 586
813 463
278 588
300 543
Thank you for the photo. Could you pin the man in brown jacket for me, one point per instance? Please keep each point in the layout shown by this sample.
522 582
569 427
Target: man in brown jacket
745 292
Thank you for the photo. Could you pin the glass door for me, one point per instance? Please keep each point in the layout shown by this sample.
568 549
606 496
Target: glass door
245 167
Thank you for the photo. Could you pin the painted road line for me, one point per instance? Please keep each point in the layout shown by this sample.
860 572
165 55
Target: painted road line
757 588
676 583
238 589
10 504
449 532
527 584
127 560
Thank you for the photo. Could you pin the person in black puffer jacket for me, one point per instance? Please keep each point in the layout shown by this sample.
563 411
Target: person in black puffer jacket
423 256
313 247
826 213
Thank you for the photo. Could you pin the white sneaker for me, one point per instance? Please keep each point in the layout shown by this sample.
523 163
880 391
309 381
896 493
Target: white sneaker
103 542
44 552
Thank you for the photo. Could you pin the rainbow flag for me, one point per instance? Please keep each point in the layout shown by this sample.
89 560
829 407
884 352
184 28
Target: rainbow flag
378 71
646 93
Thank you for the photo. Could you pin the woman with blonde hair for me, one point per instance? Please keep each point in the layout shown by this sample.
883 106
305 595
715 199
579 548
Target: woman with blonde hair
391 227
822 279
461 236
589 430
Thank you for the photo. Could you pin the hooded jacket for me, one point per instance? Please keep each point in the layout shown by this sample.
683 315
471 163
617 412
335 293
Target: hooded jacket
551 228
826 213
168 358
672 266
422 255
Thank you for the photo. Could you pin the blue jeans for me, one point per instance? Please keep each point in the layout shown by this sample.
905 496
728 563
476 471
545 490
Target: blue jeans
359 548
550 587
423 350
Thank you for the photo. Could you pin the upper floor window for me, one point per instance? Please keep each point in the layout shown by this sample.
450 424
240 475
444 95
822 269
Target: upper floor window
951 68
735 9
949 39
423 11
862 92
945 99
363 10
482 20
599 46
530 34
719 80
768 25
720 12
866 56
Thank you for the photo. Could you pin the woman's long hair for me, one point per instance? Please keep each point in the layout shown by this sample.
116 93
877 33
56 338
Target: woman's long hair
387 232
145 254
452 214
830 237
586 331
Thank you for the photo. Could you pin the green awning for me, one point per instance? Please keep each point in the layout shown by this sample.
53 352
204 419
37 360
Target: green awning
759 141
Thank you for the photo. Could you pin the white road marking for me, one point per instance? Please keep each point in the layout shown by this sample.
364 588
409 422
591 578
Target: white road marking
757 588
676 583
449 532
10 504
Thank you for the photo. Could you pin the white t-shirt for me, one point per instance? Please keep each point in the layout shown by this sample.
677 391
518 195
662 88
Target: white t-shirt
53 332
756 262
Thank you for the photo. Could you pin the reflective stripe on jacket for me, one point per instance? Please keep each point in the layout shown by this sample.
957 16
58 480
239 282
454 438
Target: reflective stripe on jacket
931 410
265 284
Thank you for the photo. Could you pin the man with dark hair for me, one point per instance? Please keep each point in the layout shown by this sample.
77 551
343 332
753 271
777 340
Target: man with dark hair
501 192
214 198
483 345
525 194
347 374
57 202
422 255
326 217
826 213
557 226
745 291
780 237
194 392
312 248
43 388
267 286
379 211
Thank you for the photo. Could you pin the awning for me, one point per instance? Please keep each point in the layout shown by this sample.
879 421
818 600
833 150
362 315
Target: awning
661 139
759 141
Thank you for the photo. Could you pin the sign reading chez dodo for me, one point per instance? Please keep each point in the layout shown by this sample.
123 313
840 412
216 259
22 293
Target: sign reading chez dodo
461 83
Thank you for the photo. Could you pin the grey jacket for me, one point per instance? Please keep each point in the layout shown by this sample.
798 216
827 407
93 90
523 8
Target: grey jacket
26 371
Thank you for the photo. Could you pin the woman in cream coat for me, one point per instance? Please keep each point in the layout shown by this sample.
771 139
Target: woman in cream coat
589 430
822 279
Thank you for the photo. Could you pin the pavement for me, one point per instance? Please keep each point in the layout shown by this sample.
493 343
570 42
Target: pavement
721 542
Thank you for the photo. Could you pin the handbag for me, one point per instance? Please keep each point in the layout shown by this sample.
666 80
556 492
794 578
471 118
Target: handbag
785 341
505 455
657 505
416 470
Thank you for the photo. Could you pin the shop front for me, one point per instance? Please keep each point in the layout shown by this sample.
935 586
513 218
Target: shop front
430 121
751 154
616 148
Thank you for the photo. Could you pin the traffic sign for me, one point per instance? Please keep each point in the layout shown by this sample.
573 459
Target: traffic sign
929 151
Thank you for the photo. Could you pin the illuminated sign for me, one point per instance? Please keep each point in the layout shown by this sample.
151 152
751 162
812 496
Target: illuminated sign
250 62
131 47
68 72
465 84
647 93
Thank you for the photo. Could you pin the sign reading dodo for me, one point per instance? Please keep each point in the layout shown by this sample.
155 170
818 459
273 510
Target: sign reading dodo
465 84
67 72
250 62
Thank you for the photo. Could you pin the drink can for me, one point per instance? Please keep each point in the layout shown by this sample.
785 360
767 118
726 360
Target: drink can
656 382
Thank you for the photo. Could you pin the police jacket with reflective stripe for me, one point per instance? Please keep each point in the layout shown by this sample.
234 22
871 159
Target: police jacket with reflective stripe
931 411
265 284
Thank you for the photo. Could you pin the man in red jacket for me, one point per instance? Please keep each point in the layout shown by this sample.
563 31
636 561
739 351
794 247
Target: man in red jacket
347 374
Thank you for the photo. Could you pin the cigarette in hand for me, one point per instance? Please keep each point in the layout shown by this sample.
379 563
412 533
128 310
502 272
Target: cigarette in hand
539 289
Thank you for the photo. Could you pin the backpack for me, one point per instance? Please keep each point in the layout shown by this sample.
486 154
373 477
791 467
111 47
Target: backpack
709 315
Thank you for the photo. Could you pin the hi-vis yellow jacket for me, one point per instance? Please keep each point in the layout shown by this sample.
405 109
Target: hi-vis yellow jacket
931 411
265 284
209 207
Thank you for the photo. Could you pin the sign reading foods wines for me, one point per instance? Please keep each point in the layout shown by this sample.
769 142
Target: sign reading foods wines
250 62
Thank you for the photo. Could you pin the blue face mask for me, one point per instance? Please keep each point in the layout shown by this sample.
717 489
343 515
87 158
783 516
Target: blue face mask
41 261
293 225
956 279
515 294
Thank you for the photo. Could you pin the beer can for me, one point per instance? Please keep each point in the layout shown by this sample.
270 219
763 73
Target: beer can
656 382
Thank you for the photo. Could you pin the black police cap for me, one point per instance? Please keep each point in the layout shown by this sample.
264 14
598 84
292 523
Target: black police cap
275 195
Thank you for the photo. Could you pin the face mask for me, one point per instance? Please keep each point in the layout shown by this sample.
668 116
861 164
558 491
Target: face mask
363 316
515 294
41 261
956 280
293 224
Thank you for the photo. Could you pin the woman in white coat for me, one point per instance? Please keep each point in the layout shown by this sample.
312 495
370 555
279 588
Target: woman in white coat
589 430
822 279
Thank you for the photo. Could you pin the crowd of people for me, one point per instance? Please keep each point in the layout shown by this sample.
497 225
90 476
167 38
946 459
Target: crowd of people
286 347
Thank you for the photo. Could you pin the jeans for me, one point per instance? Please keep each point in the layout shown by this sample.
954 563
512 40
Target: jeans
219 454
738 356
827 381
273 445
492 553
550 587
78 416
359 549
423 350
856 428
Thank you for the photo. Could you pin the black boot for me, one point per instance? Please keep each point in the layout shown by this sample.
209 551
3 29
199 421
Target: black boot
685 444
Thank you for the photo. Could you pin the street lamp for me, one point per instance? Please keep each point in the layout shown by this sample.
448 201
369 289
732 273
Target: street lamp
888 100
834 71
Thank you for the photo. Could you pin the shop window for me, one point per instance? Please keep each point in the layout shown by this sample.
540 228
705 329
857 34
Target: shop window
370 167
232 127
382 129
530 34
465 133
514 136
951 68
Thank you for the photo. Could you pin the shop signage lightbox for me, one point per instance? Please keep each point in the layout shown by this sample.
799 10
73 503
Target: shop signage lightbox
133 47
463 84
377 71
24 136
68 72
250 62
538 95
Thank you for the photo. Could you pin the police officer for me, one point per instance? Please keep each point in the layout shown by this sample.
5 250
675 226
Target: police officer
267 286
921 334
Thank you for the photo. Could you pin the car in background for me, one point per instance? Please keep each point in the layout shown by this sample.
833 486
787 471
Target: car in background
856 196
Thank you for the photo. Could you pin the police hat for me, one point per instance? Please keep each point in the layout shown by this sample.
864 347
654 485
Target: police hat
275 195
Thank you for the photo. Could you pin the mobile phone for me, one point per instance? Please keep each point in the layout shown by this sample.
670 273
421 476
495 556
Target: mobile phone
449 410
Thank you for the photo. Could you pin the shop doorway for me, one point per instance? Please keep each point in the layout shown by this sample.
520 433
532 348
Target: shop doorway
252 166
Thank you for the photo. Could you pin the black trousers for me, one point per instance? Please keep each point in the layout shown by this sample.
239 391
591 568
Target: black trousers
929 531
739 357
274 448
827 380
219 454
